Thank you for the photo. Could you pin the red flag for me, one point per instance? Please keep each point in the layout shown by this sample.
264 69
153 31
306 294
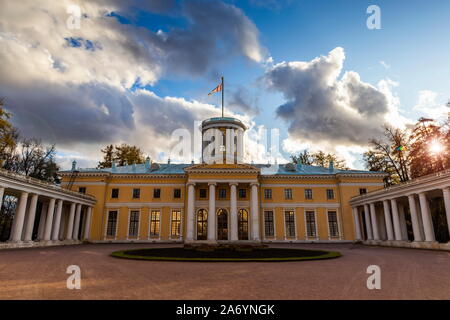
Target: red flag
216 89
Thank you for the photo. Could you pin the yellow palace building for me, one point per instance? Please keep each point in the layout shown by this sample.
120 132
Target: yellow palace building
214 202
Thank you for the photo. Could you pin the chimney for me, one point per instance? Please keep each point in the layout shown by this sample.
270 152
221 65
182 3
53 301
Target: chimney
331 167
74 165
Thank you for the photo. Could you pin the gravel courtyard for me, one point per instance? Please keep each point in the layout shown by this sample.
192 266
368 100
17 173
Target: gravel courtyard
40 273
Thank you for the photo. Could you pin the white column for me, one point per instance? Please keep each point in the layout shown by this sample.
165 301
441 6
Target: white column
49 220
31 218
357 224
403 227
69 235
233 212
212 212
446 194
87 225
42 221
387 219
62 225
2 192
419 218
396 220
76 225
57 224
414 218
19 217
368 223
254 206
426 218
190 212
376 235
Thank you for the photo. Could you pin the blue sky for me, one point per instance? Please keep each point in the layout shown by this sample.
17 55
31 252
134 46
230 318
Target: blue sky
413 44
402 66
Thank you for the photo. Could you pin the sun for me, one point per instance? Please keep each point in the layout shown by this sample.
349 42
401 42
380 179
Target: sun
436 147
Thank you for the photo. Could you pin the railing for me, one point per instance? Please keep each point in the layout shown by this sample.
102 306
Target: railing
40 183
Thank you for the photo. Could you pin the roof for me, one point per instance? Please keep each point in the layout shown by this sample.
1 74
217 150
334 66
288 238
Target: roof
266 169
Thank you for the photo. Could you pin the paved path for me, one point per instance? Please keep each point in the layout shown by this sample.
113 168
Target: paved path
39 273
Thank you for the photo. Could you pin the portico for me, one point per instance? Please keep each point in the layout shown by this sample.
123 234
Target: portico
44 212
401 215
222 209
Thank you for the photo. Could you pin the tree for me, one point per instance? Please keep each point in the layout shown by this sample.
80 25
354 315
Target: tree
390 154
8 134
123 154
33 159
319 159
429 148
303 157
108 157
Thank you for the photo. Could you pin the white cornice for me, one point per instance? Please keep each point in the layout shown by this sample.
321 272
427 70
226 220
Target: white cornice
22 183
439 180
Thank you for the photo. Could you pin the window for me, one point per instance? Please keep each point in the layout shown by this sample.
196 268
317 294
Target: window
115 193
154 223
203 193
362 191
175 230
242 224
308 194
310 224
268 224
288 193
242 193
222 193
330 194
267 193
136 193
202 224
156 193
289 218
112 224
333 224
82 189
177 193
222 224
134 224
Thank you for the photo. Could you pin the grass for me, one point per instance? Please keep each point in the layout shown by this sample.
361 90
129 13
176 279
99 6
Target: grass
173 254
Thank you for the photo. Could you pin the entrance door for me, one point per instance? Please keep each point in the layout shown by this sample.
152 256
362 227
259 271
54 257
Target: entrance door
202 224
222 224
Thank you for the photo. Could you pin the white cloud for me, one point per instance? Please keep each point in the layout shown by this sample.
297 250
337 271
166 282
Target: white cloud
385 65
71 86
429 105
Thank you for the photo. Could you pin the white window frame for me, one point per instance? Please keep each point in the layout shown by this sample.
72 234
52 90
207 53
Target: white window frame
295 223
139 223
274 224
117 223
291 193
334 194
339 236
149 236
180 237
315 223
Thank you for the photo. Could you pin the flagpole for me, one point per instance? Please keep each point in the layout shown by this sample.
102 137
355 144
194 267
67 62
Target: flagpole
223 89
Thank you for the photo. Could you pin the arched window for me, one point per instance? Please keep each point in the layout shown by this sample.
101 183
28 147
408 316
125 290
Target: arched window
202 224
243 224
222 224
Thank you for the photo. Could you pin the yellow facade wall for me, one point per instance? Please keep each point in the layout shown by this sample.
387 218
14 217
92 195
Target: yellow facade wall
101 185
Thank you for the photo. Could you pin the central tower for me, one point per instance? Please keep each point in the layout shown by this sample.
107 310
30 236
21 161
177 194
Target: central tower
222 140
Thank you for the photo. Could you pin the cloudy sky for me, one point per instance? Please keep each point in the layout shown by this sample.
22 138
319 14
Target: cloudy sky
133 71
